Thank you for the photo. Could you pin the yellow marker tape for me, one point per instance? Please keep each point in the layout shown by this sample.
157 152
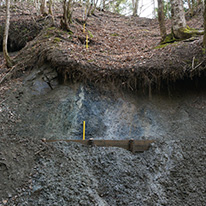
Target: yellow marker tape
87 41
83 130
84 28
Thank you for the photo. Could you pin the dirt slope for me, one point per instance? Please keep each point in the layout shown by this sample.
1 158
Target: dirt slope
172 172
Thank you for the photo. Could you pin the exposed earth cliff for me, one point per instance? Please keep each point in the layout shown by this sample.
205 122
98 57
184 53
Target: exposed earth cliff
123 88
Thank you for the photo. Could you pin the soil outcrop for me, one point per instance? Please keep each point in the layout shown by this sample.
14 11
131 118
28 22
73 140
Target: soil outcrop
123 87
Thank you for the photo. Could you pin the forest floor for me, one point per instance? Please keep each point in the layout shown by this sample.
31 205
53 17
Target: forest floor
119 47
33 172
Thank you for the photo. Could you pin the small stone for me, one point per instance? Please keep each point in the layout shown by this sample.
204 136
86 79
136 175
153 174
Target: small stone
9 195
4 201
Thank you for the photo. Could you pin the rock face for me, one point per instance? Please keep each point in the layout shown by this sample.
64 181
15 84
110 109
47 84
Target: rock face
172 172
58 111
118 115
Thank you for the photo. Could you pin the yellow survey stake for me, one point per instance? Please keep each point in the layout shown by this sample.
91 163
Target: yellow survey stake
83 130
84 28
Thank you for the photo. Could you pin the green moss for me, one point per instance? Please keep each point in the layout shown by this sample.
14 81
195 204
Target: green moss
161 46
188 32
25 30
114 34
168 39
70 32
145 30
56 40
165 44
63 32
192 30
51 28
48 35
90 34
184 33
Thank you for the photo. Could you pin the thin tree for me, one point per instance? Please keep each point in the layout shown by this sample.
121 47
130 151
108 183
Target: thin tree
154 9
193 7
204 38
103 4
89 6
199 2
161 19
9 62
37 6
190 7
66 20
43 8
135 4
94 7
50 7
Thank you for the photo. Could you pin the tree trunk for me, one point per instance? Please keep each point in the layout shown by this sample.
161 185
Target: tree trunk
69 11
89 6
66 20
89 9
161 19
178 19
199 2
168 10
103 4
190 8
37 6
43 9
154 9
135 7
204 38
50 7
193 4
94 7
6 33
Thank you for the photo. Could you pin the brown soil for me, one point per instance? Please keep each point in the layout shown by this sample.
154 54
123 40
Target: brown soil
121 50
